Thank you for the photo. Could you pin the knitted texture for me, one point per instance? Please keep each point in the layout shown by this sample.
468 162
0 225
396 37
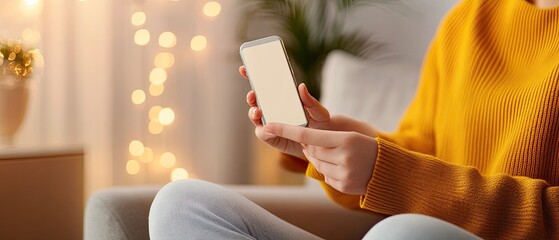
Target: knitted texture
478 146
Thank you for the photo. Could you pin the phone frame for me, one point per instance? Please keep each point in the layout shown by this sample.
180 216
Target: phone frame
265 40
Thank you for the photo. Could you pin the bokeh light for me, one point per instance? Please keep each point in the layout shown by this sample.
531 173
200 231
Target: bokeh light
147 156
156 89
138 96
155 127
167 40
31 3
142 37
212 9
166 116
158 76
164 60
178 174
167 160
132 167
198 43
136 148
154 112
138 18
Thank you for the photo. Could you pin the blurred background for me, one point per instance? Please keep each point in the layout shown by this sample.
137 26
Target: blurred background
150 88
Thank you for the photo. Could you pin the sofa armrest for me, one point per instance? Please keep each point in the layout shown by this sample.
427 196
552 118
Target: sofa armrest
119 213
122 212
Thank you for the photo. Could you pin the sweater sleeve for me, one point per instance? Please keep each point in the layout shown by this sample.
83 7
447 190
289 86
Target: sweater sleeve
415 131
497 206
407 178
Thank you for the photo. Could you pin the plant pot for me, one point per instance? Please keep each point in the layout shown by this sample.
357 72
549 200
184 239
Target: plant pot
14 95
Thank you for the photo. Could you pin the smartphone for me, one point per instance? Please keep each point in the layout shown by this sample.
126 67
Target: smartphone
271 78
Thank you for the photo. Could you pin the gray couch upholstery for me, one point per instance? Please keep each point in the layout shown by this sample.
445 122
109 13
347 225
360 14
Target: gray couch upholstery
119 213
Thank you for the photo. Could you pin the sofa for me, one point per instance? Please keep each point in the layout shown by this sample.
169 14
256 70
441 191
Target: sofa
375 90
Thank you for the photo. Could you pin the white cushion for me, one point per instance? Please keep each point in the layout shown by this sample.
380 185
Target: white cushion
377 92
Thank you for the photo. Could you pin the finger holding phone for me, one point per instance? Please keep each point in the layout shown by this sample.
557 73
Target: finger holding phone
346 159
280 98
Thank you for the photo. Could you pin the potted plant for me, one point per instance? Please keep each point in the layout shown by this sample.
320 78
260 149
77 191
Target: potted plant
17 66
311 29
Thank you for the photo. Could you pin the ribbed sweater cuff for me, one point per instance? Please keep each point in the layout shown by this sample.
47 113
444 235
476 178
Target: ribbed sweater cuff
346 200
399 177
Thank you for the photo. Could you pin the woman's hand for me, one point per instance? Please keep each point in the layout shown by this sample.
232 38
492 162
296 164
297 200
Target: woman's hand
346 159
317 115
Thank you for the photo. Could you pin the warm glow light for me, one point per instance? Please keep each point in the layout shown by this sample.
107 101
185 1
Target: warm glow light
154 112
147 156
155 127
138 18
141 37
166 116
138 96
164 60
29 8
31 2
198 43
167 159
179 173
136 148
212 9
167 40
156 90
132 167
158 76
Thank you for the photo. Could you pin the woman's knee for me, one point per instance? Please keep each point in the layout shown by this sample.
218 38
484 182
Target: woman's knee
416 226
183 204
185 192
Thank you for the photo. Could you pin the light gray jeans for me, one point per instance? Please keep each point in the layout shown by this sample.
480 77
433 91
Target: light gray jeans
194 209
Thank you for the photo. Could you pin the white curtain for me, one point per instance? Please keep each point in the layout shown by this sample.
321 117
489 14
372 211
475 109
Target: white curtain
92 66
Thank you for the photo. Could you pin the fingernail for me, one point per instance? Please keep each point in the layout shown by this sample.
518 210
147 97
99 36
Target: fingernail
267 129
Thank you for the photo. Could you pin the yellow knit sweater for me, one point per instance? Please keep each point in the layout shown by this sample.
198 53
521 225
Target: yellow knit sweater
479 144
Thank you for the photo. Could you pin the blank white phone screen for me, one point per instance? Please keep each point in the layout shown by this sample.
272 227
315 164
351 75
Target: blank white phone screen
272 80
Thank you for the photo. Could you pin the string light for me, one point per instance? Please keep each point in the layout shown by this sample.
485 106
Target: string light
138 18
167 159
178 174
147 156
212 9
158 76
166 116
155 127
136 148
198 43
138 96
132 167
167 40
159 117
164 60
142 37
156 89
154 112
